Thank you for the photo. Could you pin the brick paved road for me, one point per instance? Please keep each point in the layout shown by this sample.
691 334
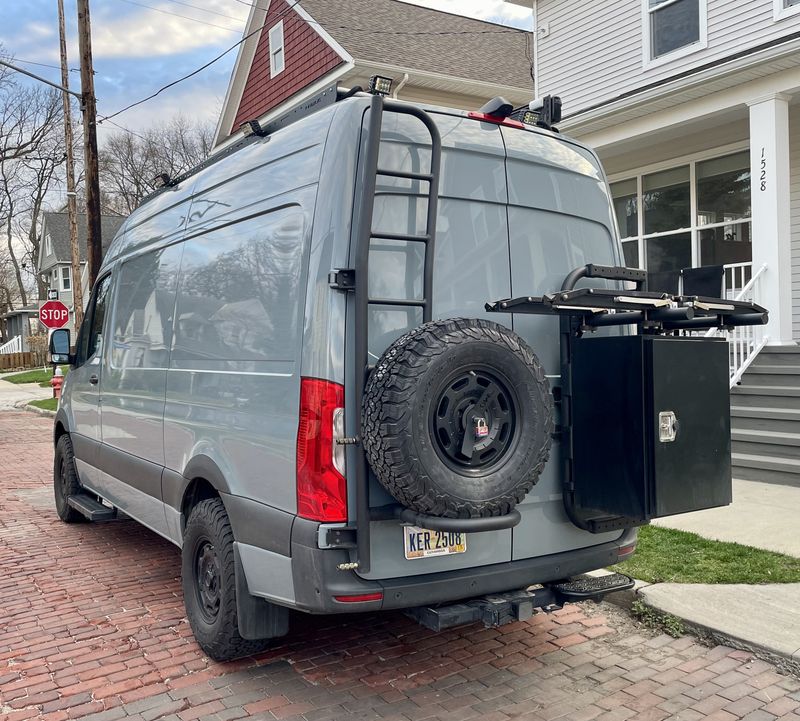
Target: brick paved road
93 628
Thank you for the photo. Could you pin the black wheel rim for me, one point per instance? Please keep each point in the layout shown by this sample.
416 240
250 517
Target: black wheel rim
207 581
473 420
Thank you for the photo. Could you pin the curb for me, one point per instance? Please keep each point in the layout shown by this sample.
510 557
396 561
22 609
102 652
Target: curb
33 409
783 661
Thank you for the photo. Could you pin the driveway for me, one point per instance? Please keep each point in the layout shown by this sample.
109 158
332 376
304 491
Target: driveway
15 394
93 627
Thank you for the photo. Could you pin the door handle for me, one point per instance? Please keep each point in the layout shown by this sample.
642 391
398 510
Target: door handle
94 379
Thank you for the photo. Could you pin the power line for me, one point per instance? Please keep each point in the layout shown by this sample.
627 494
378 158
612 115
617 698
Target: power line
178 15
196 71
206 10
274 19
42 65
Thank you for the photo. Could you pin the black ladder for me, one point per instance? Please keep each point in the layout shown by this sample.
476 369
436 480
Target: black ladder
364 234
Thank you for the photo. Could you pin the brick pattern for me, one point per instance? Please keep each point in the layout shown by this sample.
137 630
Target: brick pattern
93 628
307 58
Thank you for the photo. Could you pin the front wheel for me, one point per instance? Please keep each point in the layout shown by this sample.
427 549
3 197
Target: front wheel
209 583
65 480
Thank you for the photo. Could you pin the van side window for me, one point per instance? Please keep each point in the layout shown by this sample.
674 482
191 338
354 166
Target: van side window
238 296
91 334
142 326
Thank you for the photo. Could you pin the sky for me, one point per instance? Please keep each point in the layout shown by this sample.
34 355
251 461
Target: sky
140 45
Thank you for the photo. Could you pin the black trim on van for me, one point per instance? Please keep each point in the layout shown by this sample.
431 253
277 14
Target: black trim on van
317 578
257 524
84 448
138 473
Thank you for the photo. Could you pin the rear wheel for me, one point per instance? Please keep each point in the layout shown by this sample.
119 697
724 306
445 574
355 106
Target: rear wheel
65 480
209 583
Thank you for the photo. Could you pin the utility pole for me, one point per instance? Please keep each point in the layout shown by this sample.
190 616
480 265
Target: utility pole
72 201
89 107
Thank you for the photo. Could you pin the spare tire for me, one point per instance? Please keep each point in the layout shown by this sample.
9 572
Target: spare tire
457 419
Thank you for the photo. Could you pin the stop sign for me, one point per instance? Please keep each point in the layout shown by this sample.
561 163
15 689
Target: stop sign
53 314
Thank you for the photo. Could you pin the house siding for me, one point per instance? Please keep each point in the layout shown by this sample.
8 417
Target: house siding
794 140
307 58
593 52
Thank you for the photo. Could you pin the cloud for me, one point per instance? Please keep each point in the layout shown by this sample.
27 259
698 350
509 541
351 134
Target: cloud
150 33
492 10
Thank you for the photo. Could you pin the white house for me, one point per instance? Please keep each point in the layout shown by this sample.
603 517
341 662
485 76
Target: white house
694 108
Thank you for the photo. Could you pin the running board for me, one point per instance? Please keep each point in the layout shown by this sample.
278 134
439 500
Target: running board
499 609
91 507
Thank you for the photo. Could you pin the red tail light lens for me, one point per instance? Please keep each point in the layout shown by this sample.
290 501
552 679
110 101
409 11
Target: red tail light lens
321 487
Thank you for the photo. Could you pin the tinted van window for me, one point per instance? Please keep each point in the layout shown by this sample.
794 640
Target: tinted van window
238 297
145 304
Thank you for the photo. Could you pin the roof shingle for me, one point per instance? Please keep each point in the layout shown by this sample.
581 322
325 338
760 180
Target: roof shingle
399 33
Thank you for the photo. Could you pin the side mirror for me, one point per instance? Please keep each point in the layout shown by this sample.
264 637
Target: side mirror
59 347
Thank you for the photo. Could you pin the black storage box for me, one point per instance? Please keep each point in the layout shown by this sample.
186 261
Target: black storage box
651 425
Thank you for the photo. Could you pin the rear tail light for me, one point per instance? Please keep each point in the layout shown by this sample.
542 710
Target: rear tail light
496 119
360 598
321 486
624 551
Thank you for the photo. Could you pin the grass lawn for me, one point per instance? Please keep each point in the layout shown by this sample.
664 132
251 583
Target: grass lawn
40 376
49 404
665 555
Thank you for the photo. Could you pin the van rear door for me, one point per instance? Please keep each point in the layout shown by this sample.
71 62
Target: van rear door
471 266
559 218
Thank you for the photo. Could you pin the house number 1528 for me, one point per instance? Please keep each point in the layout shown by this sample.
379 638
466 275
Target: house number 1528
763 177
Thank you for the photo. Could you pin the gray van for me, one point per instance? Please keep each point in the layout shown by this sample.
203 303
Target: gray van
330 365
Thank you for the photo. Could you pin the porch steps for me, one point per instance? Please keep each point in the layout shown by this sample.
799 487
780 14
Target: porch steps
765 418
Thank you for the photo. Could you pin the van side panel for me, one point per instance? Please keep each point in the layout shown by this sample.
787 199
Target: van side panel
471 266
233 379
559 219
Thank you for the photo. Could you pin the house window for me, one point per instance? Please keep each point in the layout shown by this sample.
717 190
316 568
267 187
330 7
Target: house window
785 8
691 215
276 51
674 25
48 245
66 278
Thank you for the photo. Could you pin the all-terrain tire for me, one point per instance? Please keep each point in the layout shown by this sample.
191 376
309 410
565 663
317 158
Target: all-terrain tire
65 480
217 632
416 440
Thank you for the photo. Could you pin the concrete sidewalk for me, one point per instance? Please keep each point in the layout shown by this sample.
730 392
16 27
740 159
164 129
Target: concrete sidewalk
763 515
762 618
13 395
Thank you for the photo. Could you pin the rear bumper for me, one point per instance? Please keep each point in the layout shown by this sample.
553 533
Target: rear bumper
317 580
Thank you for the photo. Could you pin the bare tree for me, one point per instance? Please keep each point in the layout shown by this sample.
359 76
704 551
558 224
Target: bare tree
31 158
130 161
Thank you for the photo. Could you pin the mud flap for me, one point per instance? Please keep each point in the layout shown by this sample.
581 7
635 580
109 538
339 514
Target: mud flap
257 618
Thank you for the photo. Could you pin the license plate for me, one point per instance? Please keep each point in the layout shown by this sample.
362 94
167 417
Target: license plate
422 543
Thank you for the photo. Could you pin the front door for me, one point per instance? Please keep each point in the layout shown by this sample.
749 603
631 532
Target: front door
84 383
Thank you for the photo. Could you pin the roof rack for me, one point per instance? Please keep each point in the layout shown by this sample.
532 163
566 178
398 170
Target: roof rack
323 99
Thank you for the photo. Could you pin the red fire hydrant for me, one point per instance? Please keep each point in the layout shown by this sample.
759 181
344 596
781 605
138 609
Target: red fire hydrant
57 381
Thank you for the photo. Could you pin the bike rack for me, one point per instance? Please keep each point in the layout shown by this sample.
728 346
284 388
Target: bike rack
586 309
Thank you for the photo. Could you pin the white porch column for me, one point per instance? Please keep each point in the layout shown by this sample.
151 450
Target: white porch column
769 165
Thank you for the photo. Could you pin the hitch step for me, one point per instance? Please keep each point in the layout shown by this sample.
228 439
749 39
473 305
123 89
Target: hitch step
496 609
592 587
91 507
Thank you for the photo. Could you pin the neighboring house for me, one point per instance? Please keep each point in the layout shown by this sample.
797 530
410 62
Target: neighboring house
295 49
694 108
55 254
20 325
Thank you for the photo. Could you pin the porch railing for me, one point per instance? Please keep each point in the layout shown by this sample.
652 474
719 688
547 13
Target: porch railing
745 342
13 346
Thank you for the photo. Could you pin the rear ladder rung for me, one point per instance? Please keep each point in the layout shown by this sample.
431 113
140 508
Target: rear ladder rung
398 301
401 236
427 177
